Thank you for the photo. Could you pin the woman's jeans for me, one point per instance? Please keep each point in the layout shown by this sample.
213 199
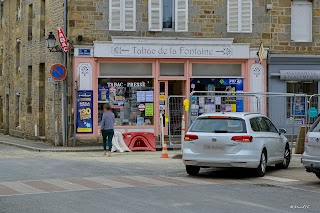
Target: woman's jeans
107 133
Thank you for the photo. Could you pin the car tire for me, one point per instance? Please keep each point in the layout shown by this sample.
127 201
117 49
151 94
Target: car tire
193 170
286 159
318 175
261 170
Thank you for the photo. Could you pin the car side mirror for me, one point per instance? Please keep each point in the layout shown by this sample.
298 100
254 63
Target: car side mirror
282 131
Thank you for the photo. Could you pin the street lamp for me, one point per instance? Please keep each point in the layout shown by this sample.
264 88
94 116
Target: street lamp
51 43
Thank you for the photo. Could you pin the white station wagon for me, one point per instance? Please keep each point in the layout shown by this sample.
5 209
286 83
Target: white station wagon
235 140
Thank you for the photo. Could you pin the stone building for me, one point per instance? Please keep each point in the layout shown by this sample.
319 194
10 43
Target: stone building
223 33
26 96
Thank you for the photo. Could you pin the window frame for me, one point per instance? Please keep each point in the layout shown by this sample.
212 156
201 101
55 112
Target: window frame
301 2
239 17
122 16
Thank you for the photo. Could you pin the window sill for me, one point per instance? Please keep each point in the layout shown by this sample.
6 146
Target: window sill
292 41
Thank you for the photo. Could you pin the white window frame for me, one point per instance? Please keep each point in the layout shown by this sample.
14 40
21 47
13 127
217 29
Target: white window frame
122 16
174 17
304 2
239 18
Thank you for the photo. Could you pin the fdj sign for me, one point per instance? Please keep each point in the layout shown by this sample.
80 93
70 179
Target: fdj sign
85 112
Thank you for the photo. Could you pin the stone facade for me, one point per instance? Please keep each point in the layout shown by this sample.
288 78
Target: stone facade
27 96
207 19
24 74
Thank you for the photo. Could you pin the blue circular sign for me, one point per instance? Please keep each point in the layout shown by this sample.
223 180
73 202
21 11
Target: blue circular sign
313 112
58 72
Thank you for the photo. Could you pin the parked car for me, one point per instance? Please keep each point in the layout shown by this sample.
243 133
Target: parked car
311 155
246 140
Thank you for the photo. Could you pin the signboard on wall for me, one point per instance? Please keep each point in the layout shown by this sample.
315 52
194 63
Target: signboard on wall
300 74
157 50
84 123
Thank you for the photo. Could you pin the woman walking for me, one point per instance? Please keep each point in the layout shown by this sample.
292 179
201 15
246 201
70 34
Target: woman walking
107 128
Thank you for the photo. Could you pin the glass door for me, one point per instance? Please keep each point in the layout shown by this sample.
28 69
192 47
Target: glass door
163 105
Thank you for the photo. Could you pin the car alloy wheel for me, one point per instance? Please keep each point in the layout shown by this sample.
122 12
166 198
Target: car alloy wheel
261 170
286 159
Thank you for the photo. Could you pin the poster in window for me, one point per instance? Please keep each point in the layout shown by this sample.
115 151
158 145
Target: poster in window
141 96
298 107
103 93
84 123
149 96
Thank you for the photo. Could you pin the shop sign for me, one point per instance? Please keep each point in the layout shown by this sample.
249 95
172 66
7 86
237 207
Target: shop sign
128 84
84 123
62 40
300 74
154 50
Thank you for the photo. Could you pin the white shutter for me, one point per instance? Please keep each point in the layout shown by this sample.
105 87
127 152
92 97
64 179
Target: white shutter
246 16
181 15
115 15
301 21
233 16
129 15
155 15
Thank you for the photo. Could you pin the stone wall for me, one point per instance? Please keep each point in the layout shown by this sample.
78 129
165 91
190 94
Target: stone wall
207 19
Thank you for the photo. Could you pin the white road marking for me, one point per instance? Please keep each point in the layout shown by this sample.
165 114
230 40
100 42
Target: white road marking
283 180
108 182
146 179
65 184
21 187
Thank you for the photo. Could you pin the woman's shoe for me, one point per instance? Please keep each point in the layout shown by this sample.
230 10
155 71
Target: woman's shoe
104 152
109 154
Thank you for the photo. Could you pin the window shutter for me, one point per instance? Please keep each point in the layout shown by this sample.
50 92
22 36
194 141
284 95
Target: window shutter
155 15
181 15
115 15
301 21
233 16
129 15
246 16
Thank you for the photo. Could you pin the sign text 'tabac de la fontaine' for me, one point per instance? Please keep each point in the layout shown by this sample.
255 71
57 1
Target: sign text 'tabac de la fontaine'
168 51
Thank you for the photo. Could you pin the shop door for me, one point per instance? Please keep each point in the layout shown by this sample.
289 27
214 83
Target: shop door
167 89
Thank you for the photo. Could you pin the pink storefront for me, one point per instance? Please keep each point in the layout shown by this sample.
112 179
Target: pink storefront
137 75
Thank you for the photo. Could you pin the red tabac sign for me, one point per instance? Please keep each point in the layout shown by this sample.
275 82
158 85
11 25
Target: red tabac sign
63 40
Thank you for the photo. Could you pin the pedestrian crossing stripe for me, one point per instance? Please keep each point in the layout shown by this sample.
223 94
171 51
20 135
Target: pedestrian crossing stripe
110 182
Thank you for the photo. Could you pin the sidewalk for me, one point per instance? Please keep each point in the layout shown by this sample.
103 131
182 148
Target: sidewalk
40 146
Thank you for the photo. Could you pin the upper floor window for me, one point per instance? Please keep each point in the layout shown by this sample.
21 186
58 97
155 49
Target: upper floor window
168 14
301 21
239 16
122 15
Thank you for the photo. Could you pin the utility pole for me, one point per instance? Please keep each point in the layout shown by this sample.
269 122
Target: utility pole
64 87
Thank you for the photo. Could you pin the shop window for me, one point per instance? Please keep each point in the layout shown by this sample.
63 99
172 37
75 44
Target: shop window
170 69
213 101
215 70
126 69
132 100
296 106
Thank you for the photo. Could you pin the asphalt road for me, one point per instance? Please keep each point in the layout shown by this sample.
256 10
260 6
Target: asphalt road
142 182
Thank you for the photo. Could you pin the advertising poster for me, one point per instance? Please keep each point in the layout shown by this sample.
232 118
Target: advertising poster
298 108
84 123
149 110
103 93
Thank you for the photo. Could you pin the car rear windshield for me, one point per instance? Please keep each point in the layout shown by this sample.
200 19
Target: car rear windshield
219 125
316 126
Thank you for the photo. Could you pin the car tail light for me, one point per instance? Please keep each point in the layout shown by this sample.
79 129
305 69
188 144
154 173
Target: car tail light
242 138
306 140
189 137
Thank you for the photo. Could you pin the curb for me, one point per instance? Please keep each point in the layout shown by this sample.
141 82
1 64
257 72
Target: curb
48 150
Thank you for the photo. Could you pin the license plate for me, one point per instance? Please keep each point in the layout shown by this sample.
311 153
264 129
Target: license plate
213 147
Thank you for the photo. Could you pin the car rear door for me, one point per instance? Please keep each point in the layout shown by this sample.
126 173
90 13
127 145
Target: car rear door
272 139
217 136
